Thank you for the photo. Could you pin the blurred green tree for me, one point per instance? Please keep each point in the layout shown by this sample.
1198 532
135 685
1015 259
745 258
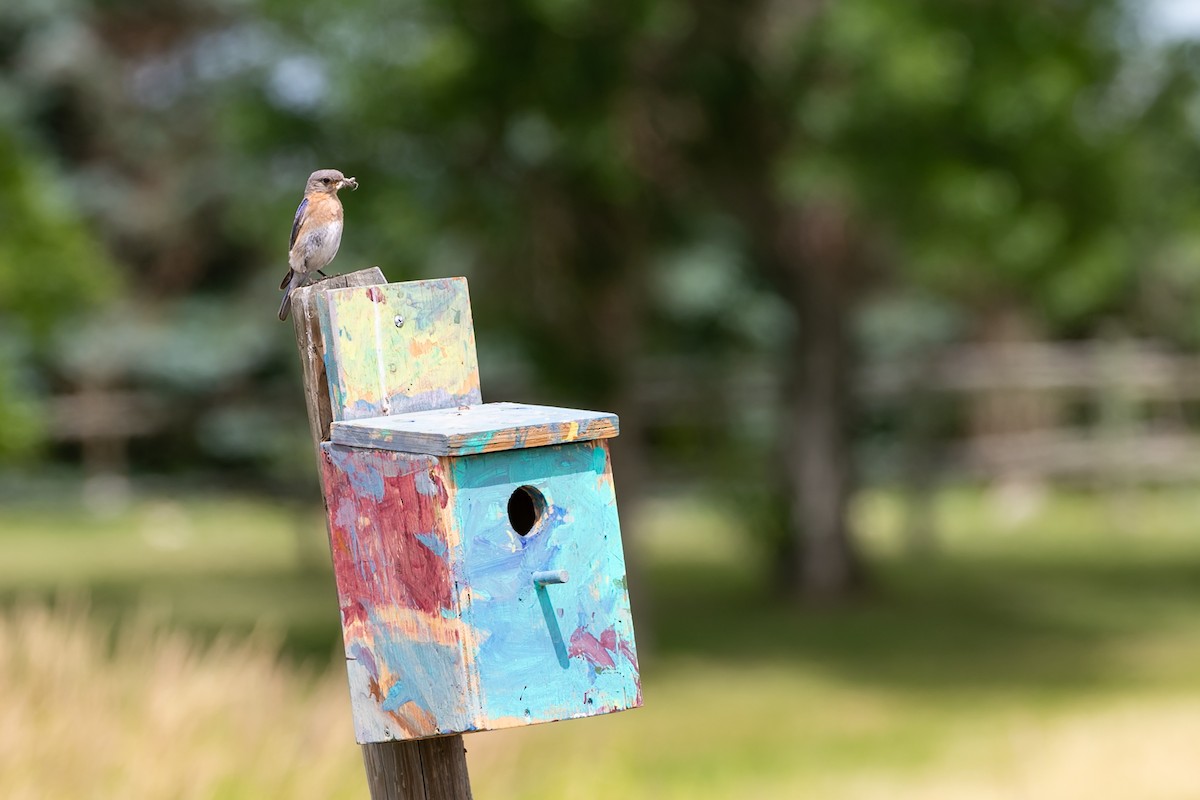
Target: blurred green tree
1003 155
52 269
630 185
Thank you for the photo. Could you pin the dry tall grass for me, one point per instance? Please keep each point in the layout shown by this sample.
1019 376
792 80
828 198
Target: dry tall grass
1051 662
149 713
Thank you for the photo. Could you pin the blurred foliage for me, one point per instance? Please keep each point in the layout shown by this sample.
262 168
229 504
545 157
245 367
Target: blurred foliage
52 269
1015 153
641 192
53 266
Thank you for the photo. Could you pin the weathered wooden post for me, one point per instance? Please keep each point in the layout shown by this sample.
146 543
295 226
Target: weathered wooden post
476 547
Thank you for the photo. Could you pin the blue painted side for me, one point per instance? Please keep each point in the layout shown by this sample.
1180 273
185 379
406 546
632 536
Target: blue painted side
545 652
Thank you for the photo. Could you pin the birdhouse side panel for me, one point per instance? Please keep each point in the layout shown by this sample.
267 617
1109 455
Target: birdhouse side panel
399 347
546 651
393 554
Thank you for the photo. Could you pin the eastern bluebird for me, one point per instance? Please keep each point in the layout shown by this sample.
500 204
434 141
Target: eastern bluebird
316 231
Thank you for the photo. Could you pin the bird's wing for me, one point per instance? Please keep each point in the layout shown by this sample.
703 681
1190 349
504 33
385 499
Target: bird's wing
296 222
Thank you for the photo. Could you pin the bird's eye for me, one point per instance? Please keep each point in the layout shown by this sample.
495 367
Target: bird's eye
325 181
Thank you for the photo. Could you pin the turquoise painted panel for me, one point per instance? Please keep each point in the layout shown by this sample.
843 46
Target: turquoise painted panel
546 650
468 430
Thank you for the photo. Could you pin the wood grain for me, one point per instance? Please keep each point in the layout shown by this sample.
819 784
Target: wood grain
399 770
434 769
470 430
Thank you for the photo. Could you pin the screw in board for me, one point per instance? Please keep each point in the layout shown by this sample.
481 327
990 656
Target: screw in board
399 320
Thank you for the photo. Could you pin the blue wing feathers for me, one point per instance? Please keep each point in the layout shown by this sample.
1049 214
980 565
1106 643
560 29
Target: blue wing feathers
299 219
296 222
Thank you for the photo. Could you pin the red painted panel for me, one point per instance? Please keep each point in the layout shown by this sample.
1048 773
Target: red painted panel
388 548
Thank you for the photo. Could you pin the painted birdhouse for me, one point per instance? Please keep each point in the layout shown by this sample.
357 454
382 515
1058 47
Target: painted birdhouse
476 546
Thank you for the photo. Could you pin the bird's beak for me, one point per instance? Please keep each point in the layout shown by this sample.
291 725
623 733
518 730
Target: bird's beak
351 182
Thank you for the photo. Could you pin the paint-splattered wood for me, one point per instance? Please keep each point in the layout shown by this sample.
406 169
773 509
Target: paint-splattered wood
433 769
307 324
400 347
450 624
470 430
482 589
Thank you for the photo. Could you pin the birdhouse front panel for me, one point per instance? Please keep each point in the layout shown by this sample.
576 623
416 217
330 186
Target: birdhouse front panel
547 598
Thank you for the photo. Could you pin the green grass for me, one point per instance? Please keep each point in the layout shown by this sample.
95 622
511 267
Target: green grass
1050 656
217 564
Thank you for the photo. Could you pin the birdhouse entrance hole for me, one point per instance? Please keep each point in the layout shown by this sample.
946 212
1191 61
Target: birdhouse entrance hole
525 507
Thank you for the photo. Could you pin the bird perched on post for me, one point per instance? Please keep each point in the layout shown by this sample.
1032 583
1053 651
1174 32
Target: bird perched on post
316 231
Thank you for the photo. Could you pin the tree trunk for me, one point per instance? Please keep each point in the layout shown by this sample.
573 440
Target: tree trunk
622 312
817 458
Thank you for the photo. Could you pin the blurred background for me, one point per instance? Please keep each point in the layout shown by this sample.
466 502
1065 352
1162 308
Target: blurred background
896 301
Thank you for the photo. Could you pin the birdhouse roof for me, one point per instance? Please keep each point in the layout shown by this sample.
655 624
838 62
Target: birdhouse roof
473 429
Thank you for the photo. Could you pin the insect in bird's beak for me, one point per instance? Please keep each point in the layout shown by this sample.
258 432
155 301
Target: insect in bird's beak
351 182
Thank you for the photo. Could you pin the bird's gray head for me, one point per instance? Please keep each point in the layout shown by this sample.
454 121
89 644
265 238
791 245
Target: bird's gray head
329 180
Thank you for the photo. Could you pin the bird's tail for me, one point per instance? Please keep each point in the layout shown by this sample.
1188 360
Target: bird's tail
293 281
287 279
